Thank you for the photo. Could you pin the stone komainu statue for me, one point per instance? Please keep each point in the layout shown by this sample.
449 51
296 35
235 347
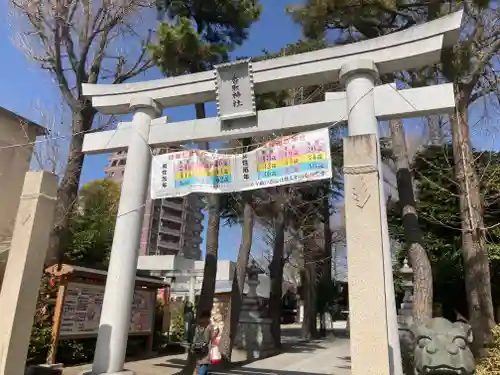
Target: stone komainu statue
438 346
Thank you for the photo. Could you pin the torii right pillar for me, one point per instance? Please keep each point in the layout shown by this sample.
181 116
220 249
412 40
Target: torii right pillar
375 348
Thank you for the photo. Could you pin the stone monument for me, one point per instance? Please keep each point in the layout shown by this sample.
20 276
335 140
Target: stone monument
254 339
29 246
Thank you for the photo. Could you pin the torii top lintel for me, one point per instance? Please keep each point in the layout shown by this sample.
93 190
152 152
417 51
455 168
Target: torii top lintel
413 48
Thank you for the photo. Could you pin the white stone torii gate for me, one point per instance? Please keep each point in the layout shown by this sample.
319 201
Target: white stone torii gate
374 337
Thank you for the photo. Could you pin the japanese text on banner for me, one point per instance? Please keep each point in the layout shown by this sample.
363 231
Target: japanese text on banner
294 159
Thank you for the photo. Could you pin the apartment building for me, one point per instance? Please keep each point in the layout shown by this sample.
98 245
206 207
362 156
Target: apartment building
171 226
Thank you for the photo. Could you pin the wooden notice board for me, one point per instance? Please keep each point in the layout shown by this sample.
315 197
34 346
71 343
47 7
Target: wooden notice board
82 306
79 300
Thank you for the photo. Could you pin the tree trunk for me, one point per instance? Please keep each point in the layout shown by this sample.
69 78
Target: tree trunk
212 249
276 274
309 287
212 245
81 121
326 262
327 233
231 320
423 292
474 252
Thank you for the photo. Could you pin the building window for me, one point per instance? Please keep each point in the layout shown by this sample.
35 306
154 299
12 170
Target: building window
113 163
122 162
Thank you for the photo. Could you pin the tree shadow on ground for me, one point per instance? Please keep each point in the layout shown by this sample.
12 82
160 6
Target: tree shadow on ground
235 368
258 371
302 347
348 365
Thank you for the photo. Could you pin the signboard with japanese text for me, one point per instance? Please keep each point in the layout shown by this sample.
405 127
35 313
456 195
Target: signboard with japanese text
82 311
289 160
234 89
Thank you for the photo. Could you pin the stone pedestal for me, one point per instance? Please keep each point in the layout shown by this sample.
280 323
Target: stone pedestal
28 250
254 339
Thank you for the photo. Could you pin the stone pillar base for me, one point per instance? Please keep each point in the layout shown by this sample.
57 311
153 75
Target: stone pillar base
254 340
44 370
123 372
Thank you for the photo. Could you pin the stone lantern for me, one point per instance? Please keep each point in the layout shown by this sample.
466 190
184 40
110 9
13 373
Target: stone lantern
405 313
254 339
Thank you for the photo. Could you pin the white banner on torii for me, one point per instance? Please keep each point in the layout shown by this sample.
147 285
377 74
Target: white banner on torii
293 159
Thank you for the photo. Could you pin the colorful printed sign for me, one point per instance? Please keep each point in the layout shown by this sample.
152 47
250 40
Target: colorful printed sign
82 311
289 160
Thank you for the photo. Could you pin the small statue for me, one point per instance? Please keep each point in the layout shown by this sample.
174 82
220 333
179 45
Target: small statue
438 346
188 321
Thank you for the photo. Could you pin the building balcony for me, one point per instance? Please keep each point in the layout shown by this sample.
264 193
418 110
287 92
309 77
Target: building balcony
175 219
173 204
195 240
165 230
168 245
193 227
171 211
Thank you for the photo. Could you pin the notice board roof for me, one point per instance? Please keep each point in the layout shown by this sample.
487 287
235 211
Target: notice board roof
72 272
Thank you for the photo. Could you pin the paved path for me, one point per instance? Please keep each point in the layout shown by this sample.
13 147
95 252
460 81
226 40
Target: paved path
329 357
322 357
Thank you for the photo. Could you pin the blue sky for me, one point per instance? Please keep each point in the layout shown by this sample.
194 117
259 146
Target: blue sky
26 89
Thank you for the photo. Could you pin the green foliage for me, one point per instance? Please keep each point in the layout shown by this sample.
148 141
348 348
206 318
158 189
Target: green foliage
327 294
92 224
201 33
370 18
177 322
439 213
373 18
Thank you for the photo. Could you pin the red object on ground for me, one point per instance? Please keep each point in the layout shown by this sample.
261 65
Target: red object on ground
215 356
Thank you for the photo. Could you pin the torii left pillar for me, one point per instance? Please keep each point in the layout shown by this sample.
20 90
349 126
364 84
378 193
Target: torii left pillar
117 305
